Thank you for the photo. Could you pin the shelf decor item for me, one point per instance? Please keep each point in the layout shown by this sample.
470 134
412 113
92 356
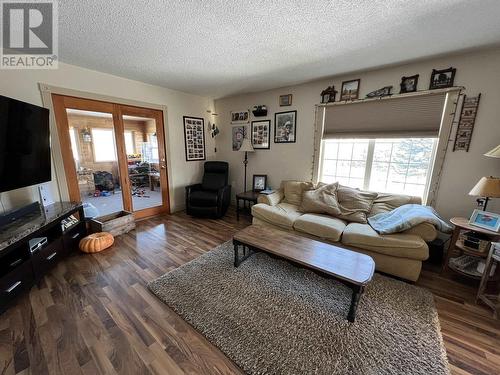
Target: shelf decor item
259 110
466 123
350 90
328 94
409 84
384 91
441 79
259 182
485 220
194 138
261 131
285 126
214 130
486 188
285 100
240 117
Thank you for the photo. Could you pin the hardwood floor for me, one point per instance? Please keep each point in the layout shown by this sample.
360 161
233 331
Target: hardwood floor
93 314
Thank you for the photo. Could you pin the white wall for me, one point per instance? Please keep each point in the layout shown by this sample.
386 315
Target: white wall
23 85
479 72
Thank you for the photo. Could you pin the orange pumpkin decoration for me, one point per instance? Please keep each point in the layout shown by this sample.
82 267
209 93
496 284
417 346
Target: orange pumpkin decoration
96 242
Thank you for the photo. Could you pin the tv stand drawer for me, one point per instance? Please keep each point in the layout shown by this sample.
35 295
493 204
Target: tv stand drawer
15 282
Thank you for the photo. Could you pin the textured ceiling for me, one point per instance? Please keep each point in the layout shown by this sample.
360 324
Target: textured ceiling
223 47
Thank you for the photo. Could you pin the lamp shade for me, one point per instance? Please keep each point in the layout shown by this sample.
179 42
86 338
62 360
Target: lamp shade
495 153
487 187
246 145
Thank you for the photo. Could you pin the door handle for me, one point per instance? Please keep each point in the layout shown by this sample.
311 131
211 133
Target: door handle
163 167
12 287
52 255
75 235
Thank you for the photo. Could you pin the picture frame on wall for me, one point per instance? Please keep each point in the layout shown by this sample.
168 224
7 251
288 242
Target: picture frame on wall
259 182
409 84
441 79
285 127
194 138
285 100
240 117
238 133
350 90
261 134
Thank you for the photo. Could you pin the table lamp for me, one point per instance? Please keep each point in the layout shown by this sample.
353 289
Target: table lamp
246 147
486 188
495 153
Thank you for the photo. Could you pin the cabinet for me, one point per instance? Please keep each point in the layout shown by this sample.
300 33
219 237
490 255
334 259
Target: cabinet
22 266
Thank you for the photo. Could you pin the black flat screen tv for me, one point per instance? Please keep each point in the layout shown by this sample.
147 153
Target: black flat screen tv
24 144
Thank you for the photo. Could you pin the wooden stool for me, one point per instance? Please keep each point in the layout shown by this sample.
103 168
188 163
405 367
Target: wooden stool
96 242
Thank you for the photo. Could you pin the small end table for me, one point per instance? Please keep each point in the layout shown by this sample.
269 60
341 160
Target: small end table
249 198
461 224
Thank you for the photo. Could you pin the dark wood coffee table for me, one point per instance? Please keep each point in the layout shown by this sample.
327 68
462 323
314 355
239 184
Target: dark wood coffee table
351 268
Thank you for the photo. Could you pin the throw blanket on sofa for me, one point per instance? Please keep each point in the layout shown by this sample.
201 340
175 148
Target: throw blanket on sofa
406 217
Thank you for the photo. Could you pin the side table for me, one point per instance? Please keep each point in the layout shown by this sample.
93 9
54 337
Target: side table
462 224
248 198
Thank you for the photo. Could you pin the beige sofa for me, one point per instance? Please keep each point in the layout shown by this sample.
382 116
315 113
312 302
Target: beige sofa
398 254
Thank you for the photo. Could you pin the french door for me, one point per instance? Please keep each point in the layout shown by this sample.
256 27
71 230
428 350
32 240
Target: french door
114 156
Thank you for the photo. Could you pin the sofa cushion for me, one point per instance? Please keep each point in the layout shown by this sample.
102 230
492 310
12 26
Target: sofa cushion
354 204
293 191
321 200
398 245
282 215
323 226
385 202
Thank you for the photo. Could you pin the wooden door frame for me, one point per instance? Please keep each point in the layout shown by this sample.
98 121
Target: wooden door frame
61 102
156 115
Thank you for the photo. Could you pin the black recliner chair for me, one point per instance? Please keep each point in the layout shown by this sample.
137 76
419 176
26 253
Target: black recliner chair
211 198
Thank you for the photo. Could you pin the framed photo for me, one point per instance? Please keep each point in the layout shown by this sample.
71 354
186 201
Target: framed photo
240 117
285 127
261 134
238 133
259 182
285 100
442 78
485 220
409 84
350 90
194 138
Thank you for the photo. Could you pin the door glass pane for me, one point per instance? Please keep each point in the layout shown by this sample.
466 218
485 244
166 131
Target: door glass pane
94 152
143 161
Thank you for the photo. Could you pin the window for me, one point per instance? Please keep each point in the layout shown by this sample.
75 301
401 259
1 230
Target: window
392 165
104 145
74 146
129 143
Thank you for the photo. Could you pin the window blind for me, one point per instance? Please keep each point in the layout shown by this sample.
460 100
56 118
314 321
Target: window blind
418 116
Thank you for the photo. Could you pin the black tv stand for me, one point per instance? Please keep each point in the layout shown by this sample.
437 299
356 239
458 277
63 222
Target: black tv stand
22 265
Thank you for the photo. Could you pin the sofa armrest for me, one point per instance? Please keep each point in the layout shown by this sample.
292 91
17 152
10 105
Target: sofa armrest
191 188
426 231
271 199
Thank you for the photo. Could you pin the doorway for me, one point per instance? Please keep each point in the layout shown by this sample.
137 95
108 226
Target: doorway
114 156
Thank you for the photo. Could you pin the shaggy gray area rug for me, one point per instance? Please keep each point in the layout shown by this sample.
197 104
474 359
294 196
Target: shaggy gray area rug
270 317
